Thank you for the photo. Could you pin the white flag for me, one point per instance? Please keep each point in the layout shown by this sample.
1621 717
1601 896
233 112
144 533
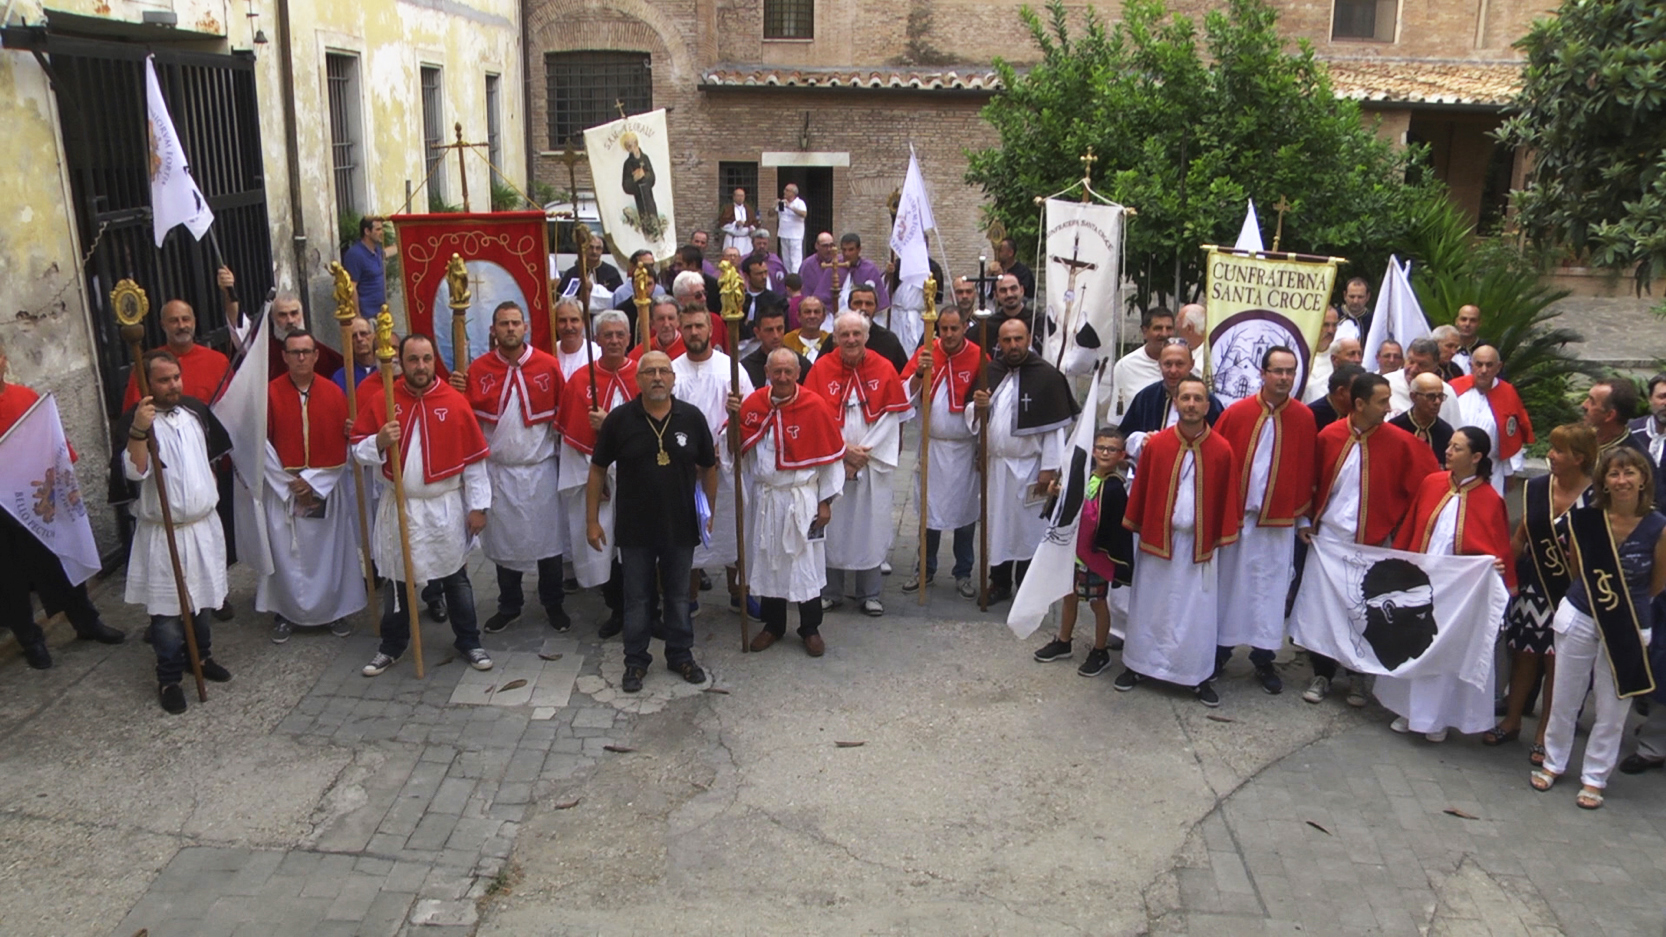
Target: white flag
1249 236
914 219
242 410
1398 316
41 492
1403 614
1053 569
1084 283
174 196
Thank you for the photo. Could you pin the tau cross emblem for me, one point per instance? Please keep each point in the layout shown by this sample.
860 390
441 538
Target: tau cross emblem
440 412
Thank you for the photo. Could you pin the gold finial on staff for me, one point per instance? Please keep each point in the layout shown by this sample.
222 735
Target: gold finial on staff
457 283
732 288
346 295
384 336
396 466
1088 159
929 317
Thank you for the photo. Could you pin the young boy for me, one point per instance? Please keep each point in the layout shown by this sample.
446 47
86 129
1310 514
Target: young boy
1104 556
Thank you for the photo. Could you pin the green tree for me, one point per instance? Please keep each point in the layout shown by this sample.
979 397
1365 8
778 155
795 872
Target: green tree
1186 129
1593 111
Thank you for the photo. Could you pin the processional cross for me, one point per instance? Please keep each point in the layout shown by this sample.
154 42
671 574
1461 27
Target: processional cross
462 168
1282 206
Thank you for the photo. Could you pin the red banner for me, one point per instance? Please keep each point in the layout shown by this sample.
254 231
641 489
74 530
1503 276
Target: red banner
507 259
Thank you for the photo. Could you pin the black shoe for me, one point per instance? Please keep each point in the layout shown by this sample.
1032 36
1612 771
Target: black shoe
999 594
633 680
211 670
1127 680
102 633
705 582
690 671
1115 645
1206 695
225 612
1098 661
558 618
1053 650
173 698
611 627
500 621
1271 683
37 656
437 610
1637 764
570 585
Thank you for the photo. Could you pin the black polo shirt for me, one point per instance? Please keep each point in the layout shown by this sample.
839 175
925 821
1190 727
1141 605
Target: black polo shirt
653 504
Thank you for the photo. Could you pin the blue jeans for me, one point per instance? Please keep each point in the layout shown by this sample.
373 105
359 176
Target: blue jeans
168 639
664 571
510 597
459 597
963 537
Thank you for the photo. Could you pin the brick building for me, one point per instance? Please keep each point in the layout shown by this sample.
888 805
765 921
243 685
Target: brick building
765 92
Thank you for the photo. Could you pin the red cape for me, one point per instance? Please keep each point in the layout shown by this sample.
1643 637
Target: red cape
1392 465
1483 522
15 400
877 385
1291 478
327 364
201 369
1509 414
676 349
1157 482
315 437
535 376
573 416
806 431
451 437
961 372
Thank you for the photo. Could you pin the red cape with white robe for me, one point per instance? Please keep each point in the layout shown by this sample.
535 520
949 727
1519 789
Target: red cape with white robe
1483 523
573 414
1509 414
960 369
309 435
534 375
1157 483
877 385
1392 464
1291 476
806 429
451 437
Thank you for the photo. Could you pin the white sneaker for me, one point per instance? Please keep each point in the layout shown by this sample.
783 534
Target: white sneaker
1401 725
1436 736
478 658
378 664
885 567
1317 690
873 607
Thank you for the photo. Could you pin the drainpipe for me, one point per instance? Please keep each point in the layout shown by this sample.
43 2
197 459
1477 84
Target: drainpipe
292 149
526 108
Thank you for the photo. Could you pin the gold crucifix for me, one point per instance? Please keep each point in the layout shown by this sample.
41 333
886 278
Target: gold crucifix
1281 206
621 106
1088 159
462 168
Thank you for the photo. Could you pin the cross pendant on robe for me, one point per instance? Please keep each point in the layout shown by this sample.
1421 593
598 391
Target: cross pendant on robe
1025 400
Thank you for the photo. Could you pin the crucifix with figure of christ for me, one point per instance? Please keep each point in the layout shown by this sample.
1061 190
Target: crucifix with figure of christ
462 166
835 264
1076 265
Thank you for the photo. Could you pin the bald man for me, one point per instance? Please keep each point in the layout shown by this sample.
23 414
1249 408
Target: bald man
1423 420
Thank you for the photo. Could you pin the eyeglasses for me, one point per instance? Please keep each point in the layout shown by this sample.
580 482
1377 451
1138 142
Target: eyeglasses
1108 449
1431 396
1176 340
300 352
1282 372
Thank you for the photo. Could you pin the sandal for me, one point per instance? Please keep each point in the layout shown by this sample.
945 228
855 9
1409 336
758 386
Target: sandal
1497 736
1589 798
1536 755
1541 781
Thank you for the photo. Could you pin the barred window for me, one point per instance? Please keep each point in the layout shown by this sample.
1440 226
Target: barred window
342 76
732 176
433 128
1364 19
494 128
789 19
584 88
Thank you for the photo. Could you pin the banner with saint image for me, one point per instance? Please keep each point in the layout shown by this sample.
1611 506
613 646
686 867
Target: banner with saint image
1084 279
1254 302
630 163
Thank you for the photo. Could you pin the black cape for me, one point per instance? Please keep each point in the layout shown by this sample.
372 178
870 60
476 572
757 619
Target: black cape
1050 403
123 491
1440 434
1149 410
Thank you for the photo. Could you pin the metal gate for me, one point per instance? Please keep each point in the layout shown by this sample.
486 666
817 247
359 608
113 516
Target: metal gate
100 88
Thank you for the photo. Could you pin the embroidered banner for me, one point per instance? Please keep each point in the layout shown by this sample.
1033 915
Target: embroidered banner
1254 303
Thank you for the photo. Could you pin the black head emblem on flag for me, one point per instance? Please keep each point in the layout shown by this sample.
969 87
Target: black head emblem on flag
1399 606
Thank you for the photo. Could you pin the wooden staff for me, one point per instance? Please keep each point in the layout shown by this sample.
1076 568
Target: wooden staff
581 240
347 310
131 305
385 354
929 316
457 283
731 288
982 314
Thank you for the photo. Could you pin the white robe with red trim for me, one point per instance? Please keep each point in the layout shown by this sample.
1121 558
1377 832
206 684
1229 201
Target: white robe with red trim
781 561
1255 571
437 513
526 523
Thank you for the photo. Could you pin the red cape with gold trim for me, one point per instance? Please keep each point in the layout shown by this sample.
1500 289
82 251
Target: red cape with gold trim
1483 521
1157 483
1392 465
1294 436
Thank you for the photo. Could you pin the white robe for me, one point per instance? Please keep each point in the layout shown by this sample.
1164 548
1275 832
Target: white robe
317 575
1445 701
192 496
861 532
1475 411
1172 613
952 466
1318 379
591 567
1015 464
905 317
1133 373
571 361
705 384
1255 570
526 524
781 563
437 513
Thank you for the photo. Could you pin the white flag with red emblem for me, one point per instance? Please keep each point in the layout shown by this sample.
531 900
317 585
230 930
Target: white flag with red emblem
174 196
38 484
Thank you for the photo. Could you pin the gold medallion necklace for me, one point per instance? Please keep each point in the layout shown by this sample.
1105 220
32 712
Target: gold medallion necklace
664 458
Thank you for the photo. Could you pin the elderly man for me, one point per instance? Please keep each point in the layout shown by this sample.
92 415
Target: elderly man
447 494
1492 404
1318 375
663 331
807 339
953 467
572 349
188 438
1009 306
1609 406
312 524
1030 408
701 242
1447 338
604 277
689 260
202 368
32 567
738 221
578 416
660 449
288 317
363 337
1468 323
817 271
790 214
793 462
770 331
1391 357
1190 323
515 390
702 380
1154 408
1138 369
1422 357
865 301
1356 311
868 401
1423 419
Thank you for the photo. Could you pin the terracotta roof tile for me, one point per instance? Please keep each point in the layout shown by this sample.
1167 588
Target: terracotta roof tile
1414 82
